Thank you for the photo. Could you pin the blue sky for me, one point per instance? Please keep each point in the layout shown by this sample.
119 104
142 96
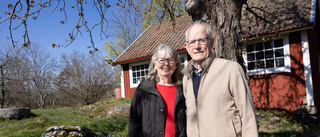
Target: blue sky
47 29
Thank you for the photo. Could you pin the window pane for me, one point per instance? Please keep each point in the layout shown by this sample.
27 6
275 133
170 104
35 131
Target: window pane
251 65
142 73
260 64
181 59
278 43
280 62
134 80
269 54
134 74
268 45
138 80
133 68
147 71
270 63
260 55
138 74
279 53
146 66
142 67
259 46
250 48
250 57
138 67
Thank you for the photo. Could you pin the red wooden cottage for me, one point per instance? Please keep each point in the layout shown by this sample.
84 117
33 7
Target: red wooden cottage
282 60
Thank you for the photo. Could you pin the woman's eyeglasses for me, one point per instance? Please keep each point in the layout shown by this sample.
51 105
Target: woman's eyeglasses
163 60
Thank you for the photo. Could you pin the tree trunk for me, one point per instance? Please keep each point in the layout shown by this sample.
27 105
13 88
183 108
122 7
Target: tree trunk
42 98
54 102
224 17
2 88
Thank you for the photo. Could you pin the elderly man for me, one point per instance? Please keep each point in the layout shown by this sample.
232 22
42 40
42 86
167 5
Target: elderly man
218 98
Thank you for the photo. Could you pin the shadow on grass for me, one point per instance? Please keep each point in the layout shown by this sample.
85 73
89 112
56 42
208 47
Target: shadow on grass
308 130
286 124
282 134
32 115
287 134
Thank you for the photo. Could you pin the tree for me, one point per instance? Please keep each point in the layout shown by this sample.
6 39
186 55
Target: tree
223 16
16 74
126 27
16 78
126 24
19 14
41 67
5 58
157 10
85 79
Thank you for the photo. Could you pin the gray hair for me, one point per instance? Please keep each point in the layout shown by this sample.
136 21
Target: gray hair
153 74
207 26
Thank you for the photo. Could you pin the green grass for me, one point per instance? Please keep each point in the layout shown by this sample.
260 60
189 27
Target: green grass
97 117
274 123
91 116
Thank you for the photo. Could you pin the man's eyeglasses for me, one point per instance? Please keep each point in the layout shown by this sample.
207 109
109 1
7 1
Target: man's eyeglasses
163 60
202 41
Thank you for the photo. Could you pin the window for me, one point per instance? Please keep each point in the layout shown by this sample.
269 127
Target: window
265 57
183 60
138 72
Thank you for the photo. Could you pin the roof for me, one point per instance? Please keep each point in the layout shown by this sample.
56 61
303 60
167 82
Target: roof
158 33
284 14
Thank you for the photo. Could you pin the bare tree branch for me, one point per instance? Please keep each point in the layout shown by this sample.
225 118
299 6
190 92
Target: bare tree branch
258 17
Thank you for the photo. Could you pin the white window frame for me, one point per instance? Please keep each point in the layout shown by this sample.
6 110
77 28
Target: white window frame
287 63
132 85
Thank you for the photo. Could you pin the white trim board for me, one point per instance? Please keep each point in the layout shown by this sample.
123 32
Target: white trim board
307 68
122 83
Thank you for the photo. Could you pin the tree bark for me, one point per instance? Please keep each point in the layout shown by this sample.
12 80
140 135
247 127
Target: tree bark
224 17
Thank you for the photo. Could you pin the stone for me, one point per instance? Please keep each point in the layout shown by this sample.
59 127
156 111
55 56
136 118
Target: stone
15 113
304 100
307 114
304 109
120 109
68 131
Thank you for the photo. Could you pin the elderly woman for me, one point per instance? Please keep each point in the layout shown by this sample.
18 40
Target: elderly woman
158 105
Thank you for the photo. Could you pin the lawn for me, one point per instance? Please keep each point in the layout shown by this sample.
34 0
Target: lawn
274 123
107 118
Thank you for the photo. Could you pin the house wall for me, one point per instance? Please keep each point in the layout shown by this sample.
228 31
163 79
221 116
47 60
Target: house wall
274 91
128 91
282 90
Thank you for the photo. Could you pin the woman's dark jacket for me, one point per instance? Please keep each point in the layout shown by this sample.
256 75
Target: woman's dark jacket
147 112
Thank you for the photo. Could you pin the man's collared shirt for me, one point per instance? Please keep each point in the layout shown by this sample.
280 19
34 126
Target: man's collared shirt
196 80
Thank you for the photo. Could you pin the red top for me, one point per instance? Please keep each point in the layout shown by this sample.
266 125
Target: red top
168 94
